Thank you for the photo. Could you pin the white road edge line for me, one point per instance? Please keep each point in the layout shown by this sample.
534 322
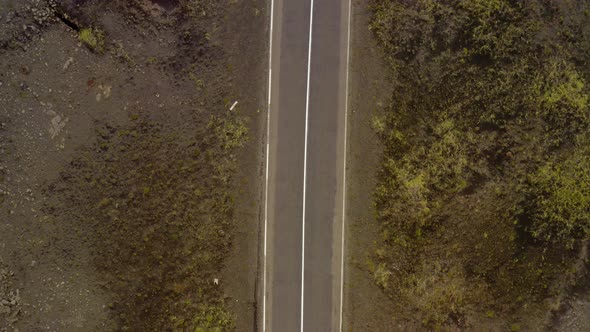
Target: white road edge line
344 169
305 162
272 3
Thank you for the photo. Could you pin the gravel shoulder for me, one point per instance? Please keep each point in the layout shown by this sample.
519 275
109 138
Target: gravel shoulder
367 308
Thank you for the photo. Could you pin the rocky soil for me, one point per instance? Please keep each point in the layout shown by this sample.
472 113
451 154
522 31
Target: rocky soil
121 164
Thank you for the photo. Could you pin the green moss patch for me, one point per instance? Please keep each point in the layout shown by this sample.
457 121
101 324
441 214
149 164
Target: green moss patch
92 38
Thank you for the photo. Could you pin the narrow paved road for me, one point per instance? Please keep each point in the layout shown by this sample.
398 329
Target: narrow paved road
306 157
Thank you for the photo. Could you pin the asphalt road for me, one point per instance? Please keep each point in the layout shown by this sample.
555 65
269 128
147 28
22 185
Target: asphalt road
306 157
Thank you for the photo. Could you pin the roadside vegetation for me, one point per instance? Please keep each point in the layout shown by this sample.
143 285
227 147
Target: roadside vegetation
157 207
483 193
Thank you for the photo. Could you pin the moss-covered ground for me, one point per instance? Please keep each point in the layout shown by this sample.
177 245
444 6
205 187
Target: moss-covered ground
482 194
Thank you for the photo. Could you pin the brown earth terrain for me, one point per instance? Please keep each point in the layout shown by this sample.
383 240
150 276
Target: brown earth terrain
128 182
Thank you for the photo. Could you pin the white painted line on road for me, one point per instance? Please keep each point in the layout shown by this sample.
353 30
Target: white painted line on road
272 3
344 170
305 163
